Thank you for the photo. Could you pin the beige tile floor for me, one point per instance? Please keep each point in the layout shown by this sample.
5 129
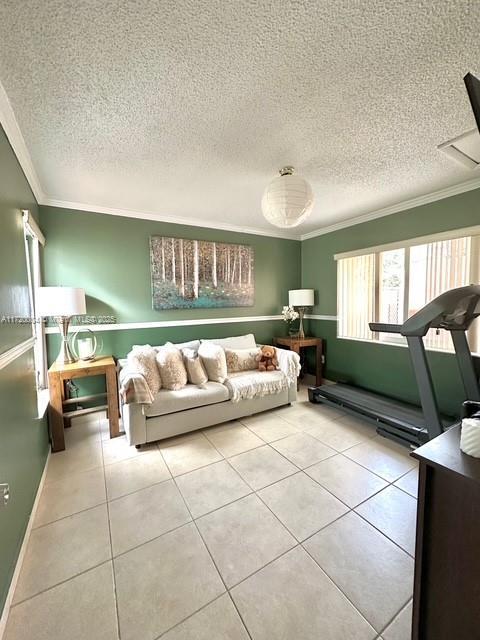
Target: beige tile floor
297 523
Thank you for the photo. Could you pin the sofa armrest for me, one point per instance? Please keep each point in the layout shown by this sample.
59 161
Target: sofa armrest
134 424
132 386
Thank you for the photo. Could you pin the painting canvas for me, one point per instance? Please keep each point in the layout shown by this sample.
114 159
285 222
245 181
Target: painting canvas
193 274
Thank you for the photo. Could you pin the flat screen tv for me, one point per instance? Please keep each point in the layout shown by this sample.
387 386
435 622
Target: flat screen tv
473 87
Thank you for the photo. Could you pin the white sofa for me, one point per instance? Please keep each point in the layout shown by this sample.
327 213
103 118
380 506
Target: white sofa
192 407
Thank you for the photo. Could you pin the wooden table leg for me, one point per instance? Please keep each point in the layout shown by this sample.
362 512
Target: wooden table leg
55 413
67 423
319 364
112 400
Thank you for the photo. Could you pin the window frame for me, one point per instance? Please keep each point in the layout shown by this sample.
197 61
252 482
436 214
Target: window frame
33 240
474 272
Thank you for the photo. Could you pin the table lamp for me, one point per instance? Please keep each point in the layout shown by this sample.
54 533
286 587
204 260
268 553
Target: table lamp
301 299
61 303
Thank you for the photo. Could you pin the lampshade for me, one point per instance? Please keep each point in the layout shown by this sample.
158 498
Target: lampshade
288 200
301 298
60 301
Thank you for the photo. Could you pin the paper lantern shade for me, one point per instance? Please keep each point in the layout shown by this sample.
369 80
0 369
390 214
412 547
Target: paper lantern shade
288 200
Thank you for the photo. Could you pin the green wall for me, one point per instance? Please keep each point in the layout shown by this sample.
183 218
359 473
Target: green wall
109 257
23 438
379 367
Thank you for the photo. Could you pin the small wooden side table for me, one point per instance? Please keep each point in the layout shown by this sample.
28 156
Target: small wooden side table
58 410
296 344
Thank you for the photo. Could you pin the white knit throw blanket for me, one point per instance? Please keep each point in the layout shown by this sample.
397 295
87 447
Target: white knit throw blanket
256 384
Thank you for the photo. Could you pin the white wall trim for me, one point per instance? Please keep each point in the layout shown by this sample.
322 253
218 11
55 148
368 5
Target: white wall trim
15 137
23 548
123 326
15 352
412 242
404 205
314 316
158 217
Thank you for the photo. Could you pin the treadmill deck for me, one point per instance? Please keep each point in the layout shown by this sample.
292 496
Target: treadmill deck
405 420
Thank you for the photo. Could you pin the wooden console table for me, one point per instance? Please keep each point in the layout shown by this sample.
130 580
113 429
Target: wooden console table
446 594
297 344
58 411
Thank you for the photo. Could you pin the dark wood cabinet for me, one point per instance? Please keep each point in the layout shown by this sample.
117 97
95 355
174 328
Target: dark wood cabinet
446 600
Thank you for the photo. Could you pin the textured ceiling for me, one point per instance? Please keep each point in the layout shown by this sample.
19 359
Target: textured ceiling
188 108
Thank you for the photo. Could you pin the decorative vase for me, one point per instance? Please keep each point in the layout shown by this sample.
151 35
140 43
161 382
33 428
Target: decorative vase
470 437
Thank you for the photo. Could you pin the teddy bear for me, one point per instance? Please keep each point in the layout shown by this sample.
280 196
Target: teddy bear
267 359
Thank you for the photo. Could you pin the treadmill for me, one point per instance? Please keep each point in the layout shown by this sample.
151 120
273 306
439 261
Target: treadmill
453 311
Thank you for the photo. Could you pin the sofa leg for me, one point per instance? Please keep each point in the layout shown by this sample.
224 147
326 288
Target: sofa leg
138 446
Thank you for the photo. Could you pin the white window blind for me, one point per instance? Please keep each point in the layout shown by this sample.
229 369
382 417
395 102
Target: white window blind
391 285
434 268
356 296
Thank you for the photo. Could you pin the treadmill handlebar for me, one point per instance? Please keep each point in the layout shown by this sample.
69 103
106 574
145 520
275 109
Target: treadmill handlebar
454 310
383 327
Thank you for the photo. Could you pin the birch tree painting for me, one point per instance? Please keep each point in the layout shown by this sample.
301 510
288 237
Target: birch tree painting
189 274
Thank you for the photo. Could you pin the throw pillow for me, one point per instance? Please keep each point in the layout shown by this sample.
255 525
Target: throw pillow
196 373
172 369
214 361
241 359
142 359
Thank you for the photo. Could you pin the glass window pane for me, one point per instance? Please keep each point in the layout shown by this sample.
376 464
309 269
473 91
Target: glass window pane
435 268
391 291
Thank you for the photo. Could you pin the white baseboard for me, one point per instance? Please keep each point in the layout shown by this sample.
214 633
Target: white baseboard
21 555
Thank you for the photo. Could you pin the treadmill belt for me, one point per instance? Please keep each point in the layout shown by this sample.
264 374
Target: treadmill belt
386 409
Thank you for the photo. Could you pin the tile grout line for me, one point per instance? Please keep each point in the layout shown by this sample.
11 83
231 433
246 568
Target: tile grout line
339 589
350 509
254 492
395 616
58 584
190 615
210 555
70 515
114 578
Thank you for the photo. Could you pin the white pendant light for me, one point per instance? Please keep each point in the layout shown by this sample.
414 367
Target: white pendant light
288 200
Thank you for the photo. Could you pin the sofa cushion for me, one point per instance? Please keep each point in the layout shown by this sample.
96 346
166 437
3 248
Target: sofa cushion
188 397
236 342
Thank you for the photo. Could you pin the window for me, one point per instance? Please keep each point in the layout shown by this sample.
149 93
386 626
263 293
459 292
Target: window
391 283
34 239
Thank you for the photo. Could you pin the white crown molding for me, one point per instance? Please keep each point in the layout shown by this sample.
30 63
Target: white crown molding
152 215
313 316
453 190
15 137
162 324
15 352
